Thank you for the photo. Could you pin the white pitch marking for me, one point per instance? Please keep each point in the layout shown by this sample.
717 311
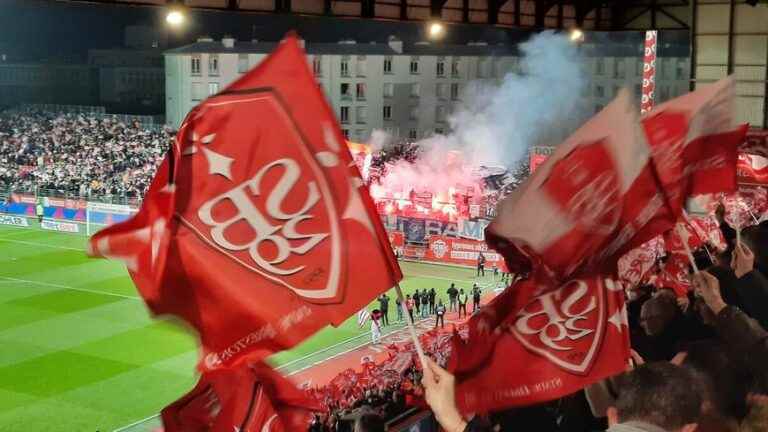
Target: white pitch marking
10 279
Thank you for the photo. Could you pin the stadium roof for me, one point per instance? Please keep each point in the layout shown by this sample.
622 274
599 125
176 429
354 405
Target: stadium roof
614 14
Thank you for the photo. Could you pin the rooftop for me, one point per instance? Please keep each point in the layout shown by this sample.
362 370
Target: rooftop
600 49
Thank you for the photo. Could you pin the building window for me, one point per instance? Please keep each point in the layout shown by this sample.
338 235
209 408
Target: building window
599 66
387 112
345 114
345 132
242 63
414 65
639 64
213 64
360 134
317 66
680 71
345 66
360 91
197 92
196 65
387 65
455 69
213 88
415 90
598 108
638 91
599 91
346 91
360 66
482 68
413 114
440 67
619 71
361 116
455 91
442 91
438 131
389 90
616 90
413 134
664 93
440 113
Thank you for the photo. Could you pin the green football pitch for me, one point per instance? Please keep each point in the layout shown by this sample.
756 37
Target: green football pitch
79 351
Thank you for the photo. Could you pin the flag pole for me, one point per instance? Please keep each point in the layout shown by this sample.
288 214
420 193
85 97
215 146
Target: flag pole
411 328
688 251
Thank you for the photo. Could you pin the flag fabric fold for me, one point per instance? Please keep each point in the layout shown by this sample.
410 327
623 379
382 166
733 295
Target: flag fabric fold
247 397
592 201
269 233
560 342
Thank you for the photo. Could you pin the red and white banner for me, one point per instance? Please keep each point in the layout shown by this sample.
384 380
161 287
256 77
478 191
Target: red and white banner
636 265
593 200
649 71
694 142
443 249
559 343
449 250
259 238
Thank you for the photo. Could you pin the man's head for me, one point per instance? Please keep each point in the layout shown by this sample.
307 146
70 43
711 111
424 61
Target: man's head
661 394
658 312
368 422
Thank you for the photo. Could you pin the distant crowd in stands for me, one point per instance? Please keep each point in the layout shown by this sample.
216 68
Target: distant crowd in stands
78 154
380 392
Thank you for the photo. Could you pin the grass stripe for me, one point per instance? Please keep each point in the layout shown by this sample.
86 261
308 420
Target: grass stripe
48 284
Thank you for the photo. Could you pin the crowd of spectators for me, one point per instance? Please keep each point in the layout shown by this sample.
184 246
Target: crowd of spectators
698 365
369 406
78 154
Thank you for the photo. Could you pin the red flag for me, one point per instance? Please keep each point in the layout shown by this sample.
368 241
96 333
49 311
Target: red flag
694 143
756 143
141 242
559 343
674 275
245 398
752 170
635 266
588 204
272 225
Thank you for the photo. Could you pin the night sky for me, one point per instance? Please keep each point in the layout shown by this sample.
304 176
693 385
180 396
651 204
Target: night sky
40 29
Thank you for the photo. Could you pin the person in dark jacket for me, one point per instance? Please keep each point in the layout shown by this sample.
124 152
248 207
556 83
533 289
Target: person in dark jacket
743 285
453 294
417 302
431 298
743 335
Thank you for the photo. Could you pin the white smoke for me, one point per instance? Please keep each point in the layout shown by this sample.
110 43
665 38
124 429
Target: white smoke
496 124
379 140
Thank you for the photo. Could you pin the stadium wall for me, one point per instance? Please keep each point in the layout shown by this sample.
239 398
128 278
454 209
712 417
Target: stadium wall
61 214
457 242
